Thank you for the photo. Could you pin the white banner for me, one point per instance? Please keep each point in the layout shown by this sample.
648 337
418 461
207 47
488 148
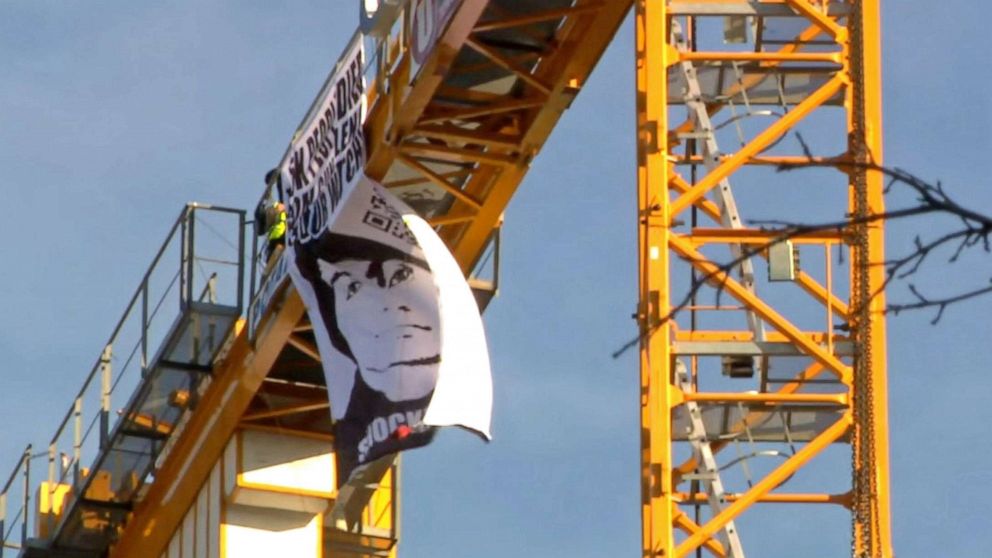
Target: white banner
328 158
399 333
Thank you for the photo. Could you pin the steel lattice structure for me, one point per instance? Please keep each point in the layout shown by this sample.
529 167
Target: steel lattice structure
788 370
828 71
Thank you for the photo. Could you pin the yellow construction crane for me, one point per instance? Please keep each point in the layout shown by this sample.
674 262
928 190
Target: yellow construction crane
223 445
825 61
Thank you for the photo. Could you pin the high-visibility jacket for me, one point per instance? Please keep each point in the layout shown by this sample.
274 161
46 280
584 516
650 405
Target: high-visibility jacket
277 229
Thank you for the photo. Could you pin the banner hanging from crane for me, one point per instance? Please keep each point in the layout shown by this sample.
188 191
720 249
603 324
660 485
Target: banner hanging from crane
398 330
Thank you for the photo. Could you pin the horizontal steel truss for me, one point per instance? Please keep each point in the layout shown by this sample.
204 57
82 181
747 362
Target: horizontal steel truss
664 197
414 121
408 125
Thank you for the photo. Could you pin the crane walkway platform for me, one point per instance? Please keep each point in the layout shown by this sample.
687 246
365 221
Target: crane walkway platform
149 374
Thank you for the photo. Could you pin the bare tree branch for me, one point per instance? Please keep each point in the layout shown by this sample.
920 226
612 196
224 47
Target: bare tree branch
975 229
941 304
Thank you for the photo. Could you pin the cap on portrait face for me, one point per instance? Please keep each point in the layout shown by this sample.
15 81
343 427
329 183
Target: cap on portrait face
372 213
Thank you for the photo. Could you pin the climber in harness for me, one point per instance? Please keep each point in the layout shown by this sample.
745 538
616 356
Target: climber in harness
270 220
275 222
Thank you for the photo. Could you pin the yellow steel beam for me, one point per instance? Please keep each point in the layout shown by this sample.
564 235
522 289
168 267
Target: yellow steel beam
456 154
769 399
517 60
177 482
707 206
803 279
451 219
284 411
864 103
304 347
858 79
753 417
818 337
508 65
723 280
462 173
774 498
772 56
760 237
820 19
776 160
436 178
284 430
653 232
766 485
454 133
747 82
585 37
759 143
489 109
396 113
690 527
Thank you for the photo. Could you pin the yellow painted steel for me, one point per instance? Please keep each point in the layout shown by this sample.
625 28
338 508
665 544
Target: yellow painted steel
766 485
664 200
864 105
404 106
500 153
653 236
206 434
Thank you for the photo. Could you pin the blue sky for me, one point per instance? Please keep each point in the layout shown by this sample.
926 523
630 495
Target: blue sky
113 116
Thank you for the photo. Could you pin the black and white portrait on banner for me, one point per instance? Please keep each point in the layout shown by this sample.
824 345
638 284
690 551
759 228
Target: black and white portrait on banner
396 367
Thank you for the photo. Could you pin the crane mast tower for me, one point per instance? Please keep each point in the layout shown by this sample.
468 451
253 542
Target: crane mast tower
722 87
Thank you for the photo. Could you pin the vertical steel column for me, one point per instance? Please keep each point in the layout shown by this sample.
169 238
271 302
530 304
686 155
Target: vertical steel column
77 440
394 520
190 242
50 516
105 386
241 261
183 256
3 521
144 327
871 440
653 255
852 70
26 498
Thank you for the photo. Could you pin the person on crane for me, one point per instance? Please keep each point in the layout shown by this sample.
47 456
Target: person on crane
275 224
270 219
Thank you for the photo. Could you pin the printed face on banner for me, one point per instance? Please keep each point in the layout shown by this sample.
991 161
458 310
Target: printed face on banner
374 304
372 293
387 313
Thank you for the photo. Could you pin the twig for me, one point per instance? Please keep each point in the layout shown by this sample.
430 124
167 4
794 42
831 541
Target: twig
976 229
941 303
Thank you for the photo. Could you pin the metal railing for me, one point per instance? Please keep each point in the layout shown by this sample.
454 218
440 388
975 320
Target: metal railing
87 425
383 55
266 277
195 258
